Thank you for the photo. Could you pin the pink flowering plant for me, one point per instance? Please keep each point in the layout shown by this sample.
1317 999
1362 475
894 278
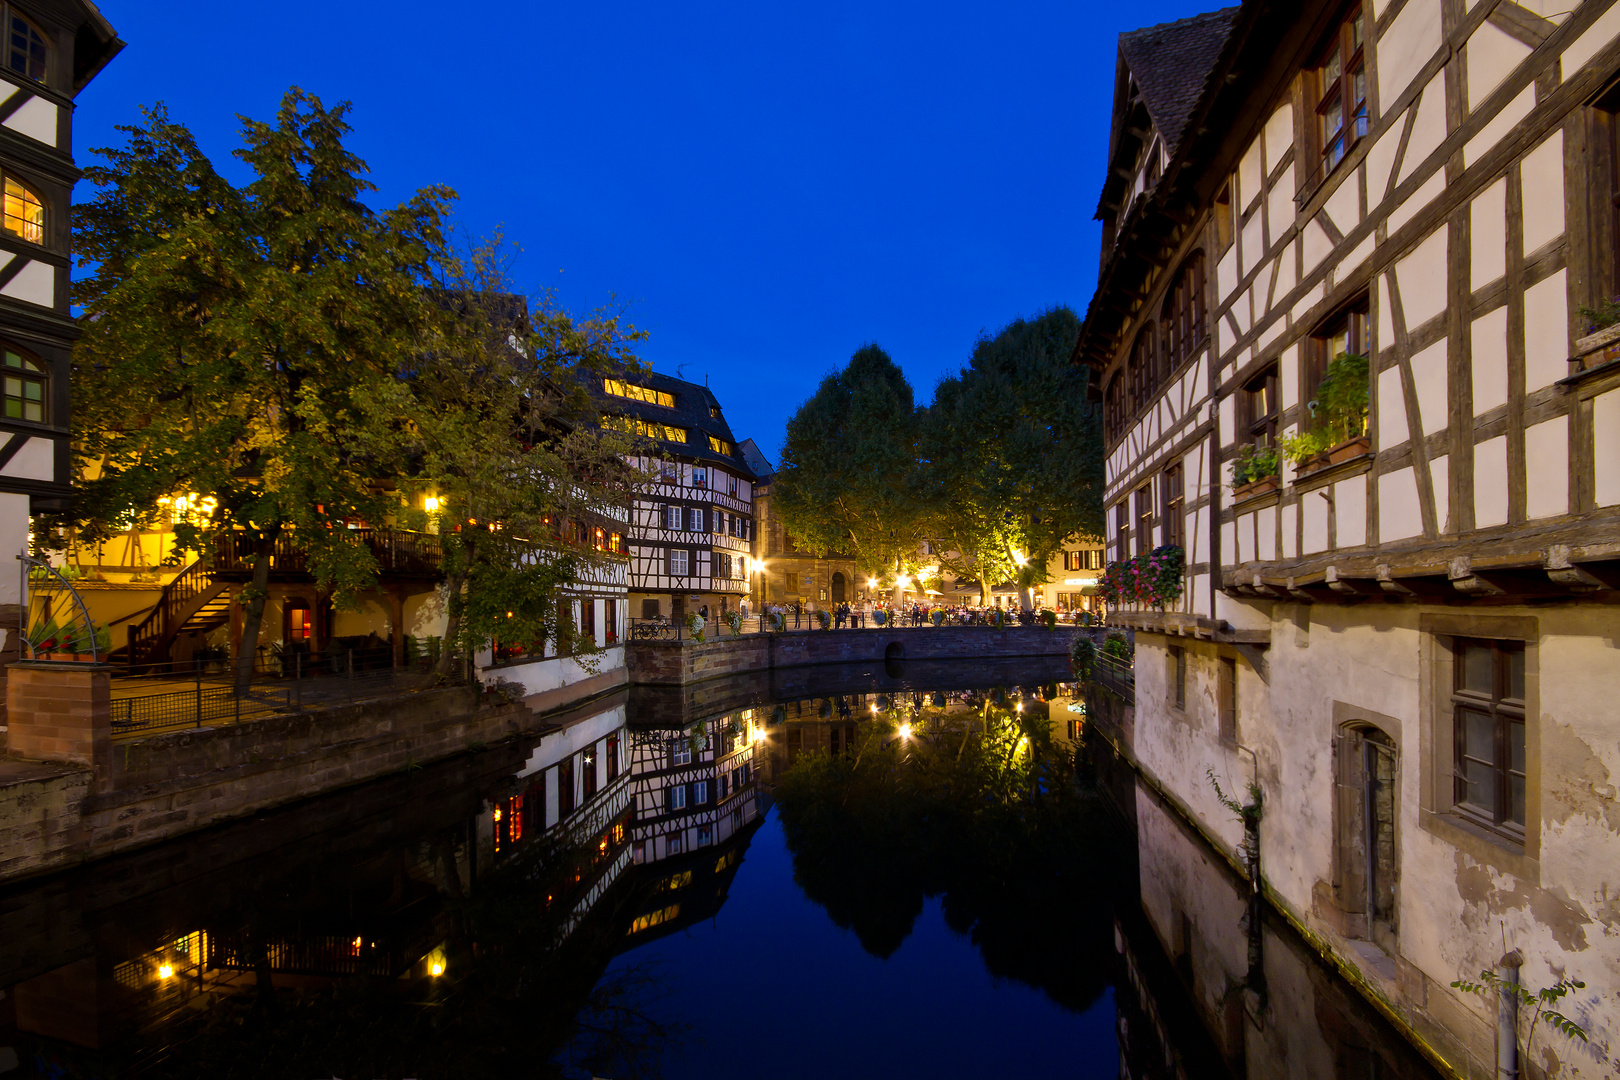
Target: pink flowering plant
1153 577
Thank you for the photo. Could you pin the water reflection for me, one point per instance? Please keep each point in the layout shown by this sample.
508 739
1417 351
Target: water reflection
495 914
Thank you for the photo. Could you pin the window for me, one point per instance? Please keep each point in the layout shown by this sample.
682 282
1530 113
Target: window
587 760
1072 559
674 798
565 786
612 756
1487 704
700 478
27 53
1223 220
615 543
700 793
1114 406
731 486
714 411
1175 517
1178 676
24 382
1345 333
1122 530
647 429
679 562
574 531
680 752
1604 193
1183 316
1142 373
297 625
694 519
24 211
639 393
610 621
587 621
720 446
1341 90
705 835
1144 518
599 538
565 626
672 518
1257 408
722 565
671 472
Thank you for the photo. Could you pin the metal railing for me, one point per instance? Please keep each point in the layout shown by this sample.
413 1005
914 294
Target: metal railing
150 704
1115 675
664 629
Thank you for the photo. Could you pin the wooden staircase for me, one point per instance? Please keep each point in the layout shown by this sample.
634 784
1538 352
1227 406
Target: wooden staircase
194 602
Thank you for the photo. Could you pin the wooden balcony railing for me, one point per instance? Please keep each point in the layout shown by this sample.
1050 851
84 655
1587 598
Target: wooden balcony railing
396 551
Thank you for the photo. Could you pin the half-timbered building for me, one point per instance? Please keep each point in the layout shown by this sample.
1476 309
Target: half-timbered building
1354 265
51 50
692 528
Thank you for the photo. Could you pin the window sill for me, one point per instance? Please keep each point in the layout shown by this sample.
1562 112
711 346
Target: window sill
1483 845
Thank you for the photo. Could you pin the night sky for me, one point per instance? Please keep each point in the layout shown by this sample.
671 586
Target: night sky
765 186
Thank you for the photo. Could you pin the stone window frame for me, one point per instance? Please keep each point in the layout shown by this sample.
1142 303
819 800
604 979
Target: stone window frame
1437 746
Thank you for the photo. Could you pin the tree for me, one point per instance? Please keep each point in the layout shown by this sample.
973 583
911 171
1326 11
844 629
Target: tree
848 477
237 339
504 438
1012 449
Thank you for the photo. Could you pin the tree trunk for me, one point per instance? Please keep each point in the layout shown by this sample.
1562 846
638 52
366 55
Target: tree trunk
452 627
899 591
258 591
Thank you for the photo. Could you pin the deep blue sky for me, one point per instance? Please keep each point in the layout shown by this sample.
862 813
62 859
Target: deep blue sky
767 186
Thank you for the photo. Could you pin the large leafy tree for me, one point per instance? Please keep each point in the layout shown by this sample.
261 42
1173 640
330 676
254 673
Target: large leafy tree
1013 454
238 338
503 438
848 479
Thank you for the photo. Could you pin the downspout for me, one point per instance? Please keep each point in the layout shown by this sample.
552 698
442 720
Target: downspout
1507 1016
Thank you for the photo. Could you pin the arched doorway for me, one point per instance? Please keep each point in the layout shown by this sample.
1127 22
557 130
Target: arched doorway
1366 867
838 587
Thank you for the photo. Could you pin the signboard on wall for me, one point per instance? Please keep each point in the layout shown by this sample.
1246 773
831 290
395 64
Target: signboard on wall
807 582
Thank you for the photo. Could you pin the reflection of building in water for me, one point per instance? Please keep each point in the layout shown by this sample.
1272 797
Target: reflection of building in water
353 884
1189 1003
694 787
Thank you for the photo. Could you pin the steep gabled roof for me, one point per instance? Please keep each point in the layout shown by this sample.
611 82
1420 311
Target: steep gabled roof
1170 63
695 408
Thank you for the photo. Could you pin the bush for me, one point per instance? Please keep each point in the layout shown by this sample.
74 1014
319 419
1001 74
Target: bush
1116 647
1253 463
1082 657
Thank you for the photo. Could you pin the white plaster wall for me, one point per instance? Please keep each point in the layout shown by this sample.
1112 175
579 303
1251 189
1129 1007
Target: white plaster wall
1490 482
1546 332
1392 429
1350 507
1546 462
1487 226
554 672
1543 173
1488 338
13 542
1421 277
1399 514
1606 448
1491 57
1408 43
1429 379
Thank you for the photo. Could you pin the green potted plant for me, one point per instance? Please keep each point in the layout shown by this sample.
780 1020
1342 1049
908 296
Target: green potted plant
1602 341
1341 406
1254 472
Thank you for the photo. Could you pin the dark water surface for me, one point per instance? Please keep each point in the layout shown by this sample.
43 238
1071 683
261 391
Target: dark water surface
774 878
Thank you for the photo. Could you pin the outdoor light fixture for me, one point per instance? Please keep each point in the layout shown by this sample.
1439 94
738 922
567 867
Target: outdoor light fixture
874 708
431 503
905 731
166 971
436 968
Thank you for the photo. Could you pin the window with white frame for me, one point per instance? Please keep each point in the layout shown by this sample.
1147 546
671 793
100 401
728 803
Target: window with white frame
679 562
672 518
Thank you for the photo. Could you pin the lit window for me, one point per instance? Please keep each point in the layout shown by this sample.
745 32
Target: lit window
638 393
630 425
28 52
25 213
24 388
719 446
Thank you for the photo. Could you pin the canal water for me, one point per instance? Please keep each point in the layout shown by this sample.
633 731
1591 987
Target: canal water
920 870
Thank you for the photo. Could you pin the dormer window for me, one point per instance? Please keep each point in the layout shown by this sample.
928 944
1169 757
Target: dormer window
24 211
1341 84
26 52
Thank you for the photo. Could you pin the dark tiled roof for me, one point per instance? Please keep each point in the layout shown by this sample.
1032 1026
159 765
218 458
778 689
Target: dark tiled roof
1170 63
692 411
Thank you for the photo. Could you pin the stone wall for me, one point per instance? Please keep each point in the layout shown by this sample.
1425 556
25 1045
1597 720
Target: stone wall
674 663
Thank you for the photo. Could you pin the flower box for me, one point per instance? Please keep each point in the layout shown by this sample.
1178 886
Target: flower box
1345 451
1599 348
1256 488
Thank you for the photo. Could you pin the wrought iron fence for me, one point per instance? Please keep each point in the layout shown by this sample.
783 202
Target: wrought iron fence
149 704
1117 676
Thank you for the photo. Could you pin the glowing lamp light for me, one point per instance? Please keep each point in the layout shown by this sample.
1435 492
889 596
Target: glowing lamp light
431 503
166 971
1019 706
874 708
905 731
497 813
436 968
1020 558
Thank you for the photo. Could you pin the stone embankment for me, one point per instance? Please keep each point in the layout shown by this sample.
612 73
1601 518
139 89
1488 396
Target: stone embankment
676 663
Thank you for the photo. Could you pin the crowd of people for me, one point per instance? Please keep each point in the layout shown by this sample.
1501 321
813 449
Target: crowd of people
863 614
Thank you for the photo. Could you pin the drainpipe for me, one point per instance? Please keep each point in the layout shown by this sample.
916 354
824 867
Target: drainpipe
1507 1016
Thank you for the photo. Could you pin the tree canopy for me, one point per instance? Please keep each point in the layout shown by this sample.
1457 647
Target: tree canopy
1012 453
848 477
